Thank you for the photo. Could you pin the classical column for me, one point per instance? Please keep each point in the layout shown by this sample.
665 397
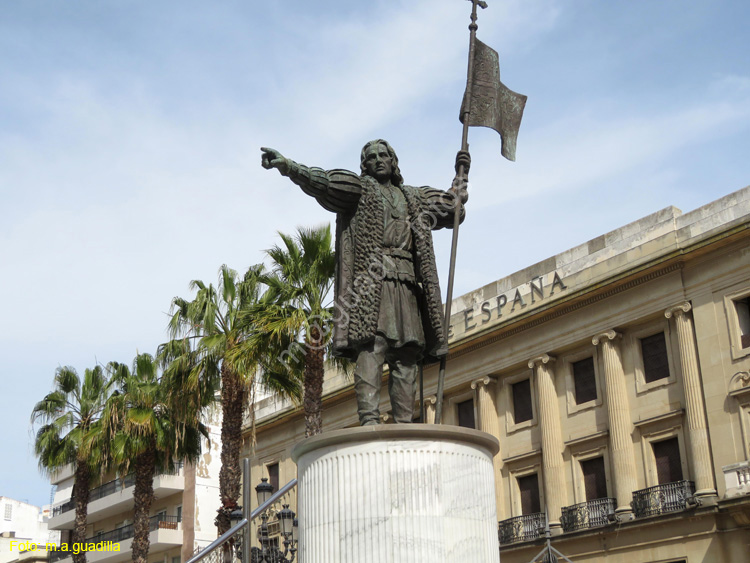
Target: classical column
552 444
620 423
490 423
694 404
429 409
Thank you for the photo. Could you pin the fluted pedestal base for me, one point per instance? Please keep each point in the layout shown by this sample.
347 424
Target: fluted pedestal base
388 494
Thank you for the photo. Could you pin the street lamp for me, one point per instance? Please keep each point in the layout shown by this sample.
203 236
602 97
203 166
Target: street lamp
268 552
264 491
235 517
288 530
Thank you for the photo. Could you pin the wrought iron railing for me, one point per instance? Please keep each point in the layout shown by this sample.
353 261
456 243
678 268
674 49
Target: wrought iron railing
521 528
661 499
590 514
63 507
107 489
160 521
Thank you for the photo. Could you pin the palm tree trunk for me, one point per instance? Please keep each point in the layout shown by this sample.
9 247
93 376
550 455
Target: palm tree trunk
81 496
232 408
314 372
143 496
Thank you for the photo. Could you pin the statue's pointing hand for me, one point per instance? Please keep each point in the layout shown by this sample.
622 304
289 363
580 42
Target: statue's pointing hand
271 158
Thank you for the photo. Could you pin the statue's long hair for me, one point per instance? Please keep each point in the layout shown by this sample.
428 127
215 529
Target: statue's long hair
396 178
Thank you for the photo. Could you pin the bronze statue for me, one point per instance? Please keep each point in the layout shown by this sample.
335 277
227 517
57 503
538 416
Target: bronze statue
388 306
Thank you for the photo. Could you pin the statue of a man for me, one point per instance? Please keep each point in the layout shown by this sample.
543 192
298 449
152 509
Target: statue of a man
388 307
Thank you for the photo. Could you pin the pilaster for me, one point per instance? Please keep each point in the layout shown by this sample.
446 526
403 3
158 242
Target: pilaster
486 390
429 409
620 423
695 407
552 443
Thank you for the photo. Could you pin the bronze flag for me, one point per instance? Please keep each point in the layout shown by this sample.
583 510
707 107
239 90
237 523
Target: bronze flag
493 104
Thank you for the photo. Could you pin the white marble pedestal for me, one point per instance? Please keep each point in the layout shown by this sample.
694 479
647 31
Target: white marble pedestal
420 493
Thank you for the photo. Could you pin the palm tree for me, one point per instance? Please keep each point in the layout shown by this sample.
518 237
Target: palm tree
295 316
148 430
69 415
211 320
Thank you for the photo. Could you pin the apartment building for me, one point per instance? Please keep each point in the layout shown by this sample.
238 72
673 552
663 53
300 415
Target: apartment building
182 514
23 524
616 376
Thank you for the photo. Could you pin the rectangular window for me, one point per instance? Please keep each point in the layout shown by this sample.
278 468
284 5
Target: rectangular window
742 306
594 478
179 513
273 476
522 401
654 353
176 559
466 414
667 458
8 511
585 380
528 487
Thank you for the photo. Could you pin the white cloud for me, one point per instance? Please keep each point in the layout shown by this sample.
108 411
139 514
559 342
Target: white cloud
377 70
129 159
582 149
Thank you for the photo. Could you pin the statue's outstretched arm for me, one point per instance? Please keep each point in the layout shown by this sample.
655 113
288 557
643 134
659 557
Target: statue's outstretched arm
335 190
271 158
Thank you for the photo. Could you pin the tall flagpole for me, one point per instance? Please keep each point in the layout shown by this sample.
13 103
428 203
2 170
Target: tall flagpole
457 214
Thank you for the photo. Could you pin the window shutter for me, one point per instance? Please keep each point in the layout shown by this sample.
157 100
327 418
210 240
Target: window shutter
466 414
742 306
529 489
522 401
273 476
668 465
585 380
594 478
655 362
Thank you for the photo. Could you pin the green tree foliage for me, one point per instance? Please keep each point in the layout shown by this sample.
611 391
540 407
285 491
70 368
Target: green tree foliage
68 417
292 323
150 424
210 322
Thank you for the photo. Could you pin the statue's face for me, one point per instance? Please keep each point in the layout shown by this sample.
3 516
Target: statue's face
378 163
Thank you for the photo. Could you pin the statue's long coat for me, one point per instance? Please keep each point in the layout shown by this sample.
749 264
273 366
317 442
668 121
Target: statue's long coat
359 209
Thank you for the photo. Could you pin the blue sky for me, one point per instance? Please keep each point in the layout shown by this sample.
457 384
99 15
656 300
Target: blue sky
130 135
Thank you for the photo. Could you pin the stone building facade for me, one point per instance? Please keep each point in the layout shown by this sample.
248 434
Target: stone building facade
616 376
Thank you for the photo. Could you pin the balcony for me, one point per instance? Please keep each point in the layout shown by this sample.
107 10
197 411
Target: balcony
164 533
521 528
57 510
113 497
662 499
592 514
737 479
